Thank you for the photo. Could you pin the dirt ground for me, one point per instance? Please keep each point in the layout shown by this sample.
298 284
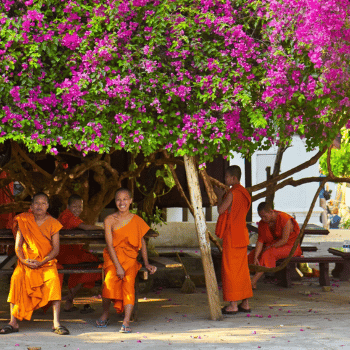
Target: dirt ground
302 317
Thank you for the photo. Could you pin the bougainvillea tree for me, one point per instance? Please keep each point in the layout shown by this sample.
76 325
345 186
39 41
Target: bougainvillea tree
192 77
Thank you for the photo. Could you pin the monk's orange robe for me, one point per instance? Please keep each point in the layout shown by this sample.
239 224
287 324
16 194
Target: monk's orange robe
75 254
31 289
127 243
232 228
267 237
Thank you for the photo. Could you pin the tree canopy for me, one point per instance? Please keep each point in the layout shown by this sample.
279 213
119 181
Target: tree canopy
195 77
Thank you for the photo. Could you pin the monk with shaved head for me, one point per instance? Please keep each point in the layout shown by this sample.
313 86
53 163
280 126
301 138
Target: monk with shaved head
35 281
233 207
124 233
277 234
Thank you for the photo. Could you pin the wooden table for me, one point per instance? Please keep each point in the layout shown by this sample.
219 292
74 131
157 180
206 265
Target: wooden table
66 237
71 236
341 271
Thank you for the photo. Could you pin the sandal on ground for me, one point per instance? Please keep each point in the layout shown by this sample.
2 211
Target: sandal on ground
73 308
225 312
242 309
60 330
87 309
8 329
125 329
102 323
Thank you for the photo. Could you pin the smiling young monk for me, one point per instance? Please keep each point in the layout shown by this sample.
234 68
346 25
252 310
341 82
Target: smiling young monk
233 207
277 232
35 281
124 233
75 253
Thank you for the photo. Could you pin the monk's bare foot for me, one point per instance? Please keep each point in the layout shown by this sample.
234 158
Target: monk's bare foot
230 308
253 286
245 304
102 322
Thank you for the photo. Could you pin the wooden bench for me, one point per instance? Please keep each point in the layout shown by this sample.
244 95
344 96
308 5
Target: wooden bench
323 261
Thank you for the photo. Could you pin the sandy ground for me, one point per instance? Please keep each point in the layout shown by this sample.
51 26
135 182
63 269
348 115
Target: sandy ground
302 317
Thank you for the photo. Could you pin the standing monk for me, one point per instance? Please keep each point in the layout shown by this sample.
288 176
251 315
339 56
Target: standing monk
277 234
231 227
35 281
124 233
75 254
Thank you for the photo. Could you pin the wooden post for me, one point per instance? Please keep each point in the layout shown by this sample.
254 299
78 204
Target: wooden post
203 238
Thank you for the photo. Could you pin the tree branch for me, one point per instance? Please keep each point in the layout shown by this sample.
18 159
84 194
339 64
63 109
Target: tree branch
290 172
208 187
28 160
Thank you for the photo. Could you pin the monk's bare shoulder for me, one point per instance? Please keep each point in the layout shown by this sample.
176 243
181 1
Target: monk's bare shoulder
109 221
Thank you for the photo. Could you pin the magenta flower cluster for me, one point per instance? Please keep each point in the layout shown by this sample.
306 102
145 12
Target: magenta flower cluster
193 77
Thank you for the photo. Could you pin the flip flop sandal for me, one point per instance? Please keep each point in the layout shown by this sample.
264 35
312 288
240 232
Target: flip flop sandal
8 329
87 309
73 308
60 330
102 324
125 329
225 312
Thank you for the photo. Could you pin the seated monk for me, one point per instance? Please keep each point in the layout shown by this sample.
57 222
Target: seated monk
124 233
277 234
75 254
35 280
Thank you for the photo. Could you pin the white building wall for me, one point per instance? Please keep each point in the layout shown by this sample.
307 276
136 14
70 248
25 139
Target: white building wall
293 200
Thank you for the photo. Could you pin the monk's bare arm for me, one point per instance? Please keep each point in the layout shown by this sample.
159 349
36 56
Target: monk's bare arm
258 249
224 203
55 241
19 252
286 231
87 227
109 241
152 269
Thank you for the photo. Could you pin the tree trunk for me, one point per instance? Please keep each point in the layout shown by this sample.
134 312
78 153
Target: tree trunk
203 238
276 171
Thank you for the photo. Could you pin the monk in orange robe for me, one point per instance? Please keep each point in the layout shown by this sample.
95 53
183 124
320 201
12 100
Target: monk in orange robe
233 207
277 234
124 233
35 281
75 253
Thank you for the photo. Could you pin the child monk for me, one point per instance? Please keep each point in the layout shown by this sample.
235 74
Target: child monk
35 281
124 233
75 254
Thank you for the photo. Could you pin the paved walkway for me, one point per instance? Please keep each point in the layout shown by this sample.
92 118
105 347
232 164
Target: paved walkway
302 317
